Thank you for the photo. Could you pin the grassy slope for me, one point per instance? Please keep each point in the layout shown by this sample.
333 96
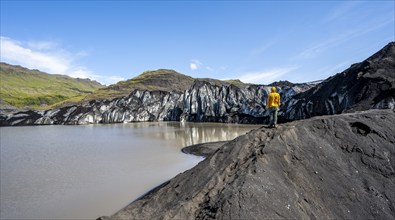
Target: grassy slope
162 79
22 87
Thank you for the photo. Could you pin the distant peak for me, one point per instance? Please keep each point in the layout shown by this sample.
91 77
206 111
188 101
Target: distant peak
282 83
386 51
161 72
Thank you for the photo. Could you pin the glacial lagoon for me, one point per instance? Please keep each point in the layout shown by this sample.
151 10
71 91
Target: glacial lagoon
83 172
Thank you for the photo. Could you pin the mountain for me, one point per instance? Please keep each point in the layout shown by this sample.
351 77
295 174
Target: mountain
22 87
365 85
204 101
327 167
155 96
158 80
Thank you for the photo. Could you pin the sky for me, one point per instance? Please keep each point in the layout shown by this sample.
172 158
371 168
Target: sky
255 41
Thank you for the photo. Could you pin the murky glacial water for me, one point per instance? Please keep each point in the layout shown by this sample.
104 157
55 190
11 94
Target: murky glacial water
83 172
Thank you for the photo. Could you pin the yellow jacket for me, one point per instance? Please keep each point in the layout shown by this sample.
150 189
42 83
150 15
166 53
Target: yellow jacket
274 98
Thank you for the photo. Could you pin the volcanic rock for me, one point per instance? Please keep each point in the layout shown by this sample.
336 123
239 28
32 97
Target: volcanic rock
326 167
366 85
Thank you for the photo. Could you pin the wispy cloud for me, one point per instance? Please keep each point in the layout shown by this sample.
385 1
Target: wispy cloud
263 47
332 70
209 68
195 64
198 65
317 48
341 11
48 57
42 45
267 76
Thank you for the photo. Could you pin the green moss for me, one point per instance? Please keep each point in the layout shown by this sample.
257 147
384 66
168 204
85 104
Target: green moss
162 79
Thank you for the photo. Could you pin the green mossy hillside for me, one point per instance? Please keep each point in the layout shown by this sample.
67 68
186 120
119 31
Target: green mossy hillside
22 87
162 79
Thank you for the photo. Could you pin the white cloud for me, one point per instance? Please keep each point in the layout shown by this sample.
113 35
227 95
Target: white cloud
265 77
48 57
14 51
195 64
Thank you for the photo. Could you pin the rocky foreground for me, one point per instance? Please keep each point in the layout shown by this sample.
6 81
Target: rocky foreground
327 167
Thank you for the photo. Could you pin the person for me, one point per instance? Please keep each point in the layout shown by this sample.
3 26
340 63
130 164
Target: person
273 102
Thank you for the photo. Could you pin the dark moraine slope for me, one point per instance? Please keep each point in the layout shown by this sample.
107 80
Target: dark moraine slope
369 84
326 167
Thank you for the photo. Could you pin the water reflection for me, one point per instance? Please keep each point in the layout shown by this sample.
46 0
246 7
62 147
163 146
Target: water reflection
83 172
187 133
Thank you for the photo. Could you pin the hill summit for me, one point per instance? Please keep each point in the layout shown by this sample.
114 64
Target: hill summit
161 80
164 80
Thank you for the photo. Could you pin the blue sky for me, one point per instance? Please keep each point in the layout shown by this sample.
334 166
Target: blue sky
255 41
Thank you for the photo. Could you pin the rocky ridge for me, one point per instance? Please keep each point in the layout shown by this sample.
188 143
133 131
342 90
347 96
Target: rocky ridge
205 101
365 85
327 167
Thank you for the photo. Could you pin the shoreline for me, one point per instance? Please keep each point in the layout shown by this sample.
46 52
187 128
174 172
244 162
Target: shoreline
201 150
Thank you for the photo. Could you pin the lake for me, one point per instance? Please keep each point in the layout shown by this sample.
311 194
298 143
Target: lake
84 172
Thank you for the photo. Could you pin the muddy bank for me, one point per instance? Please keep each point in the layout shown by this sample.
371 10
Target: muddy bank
205 149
